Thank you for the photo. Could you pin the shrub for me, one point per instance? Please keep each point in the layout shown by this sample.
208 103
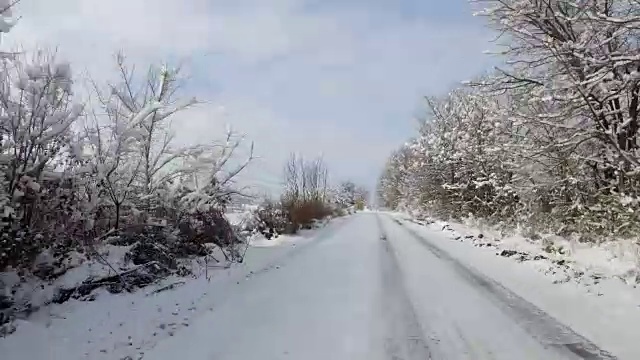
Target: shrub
273 220
303 213
208 227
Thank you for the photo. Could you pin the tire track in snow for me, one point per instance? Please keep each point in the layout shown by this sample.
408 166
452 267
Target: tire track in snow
403 336
548 331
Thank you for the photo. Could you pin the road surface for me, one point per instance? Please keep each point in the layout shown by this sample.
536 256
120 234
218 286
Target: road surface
372 289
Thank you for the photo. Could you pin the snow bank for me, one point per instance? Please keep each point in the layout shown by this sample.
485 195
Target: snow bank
259 240
581 287
33 292
125 325
563 259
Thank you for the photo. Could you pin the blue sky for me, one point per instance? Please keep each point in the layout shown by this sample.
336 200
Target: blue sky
341 78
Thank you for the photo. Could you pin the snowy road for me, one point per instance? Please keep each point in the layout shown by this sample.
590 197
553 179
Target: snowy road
372 290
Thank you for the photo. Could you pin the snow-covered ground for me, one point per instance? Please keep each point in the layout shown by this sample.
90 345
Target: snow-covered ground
369 286
375 291
583 288
589 264
121 325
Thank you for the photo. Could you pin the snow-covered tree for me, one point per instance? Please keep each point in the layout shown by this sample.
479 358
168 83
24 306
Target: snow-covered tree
113 139
578 62
37 115
5 19
157 152
546 140
37 112
345 195
348 194
6 16
135 160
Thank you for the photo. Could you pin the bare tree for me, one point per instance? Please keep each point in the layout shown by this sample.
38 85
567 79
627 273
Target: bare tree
306 180
292 177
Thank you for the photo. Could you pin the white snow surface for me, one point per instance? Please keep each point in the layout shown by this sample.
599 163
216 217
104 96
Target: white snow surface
617 259
368 286
606 311
599 268
32 290
116 326
237 218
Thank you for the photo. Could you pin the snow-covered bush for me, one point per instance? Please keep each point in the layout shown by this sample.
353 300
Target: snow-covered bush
303 213
272 220
71 176
306 198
